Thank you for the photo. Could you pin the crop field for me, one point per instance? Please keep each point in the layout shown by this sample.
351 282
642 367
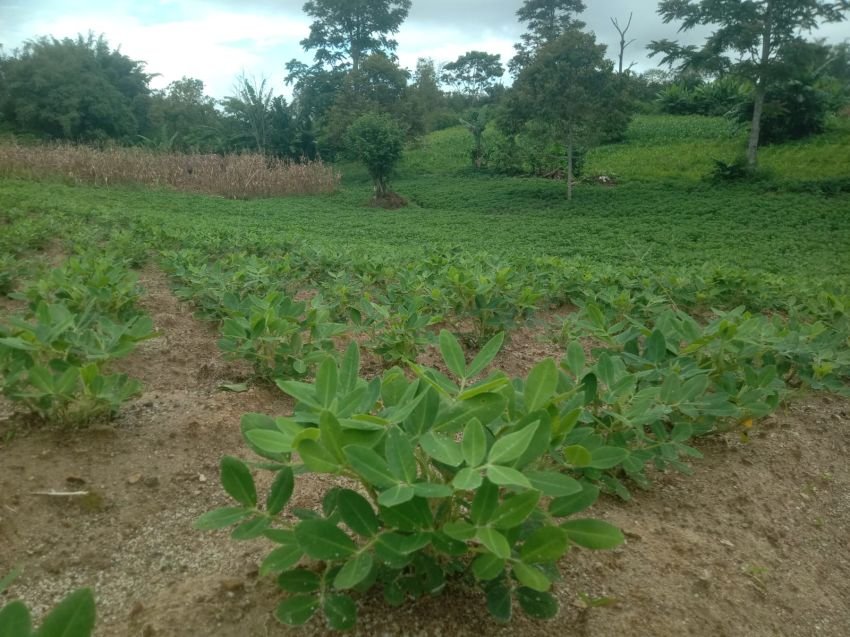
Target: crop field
491 411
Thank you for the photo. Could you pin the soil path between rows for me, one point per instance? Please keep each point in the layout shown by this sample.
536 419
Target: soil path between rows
755 543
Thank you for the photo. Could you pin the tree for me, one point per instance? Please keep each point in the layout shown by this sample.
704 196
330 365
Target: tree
622 31
378 142
251 107
570 86
75 89
183 117
474 72
749 38
346 31
546 21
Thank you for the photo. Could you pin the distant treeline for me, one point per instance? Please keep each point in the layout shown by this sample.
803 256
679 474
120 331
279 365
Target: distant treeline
566 94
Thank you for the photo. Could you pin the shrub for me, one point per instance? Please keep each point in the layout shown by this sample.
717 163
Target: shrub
378 142
427 507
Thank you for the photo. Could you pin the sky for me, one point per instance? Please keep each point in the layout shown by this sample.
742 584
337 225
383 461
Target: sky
216 40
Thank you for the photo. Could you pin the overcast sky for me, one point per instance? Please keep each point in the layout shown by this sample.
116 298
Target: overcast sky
216 40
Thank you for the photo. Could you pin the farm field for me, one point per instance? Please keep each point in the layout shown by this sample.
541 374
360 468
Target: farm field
702 346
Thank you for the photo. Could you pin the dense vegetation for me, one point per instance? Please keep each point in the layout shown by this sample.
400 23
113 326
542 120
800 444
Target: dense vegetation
685 294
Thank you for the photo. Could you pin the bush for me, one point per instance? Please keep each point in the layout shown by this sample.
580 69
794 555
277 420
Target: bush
378 142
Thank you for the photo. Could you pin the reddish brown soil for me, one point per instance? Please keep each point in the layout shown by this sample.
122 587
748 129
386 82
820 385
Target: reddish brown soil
755 543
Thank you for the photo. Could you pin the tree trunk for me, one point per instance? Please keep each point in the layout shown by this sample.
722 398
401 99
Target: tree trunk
761 92
755 128
570 166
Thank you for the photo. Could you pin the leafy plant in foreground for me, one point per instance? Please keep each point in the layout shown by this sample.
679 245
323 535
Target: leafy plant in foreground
74 616
446 482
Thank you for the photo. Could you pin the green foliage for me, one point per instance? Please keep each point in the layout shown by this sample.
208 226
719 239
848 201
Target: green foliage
378 142
81 316
428 508
74 616
344 32
474 72
280 337
74 89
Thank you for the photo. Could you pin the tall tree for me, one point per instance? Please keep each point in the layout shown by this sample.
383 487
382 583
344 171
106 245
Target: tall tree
569 86
251 107
545 21
749 38
183 117
346 31
624 44
474 72
76 89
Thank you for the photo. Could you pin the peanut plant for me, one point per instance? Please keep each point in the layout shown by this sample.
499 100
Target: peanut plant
446 479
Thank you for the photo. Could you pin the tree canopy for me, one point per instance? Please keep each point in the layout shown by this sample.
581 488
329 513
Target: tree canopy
749 38
474 72
75 89
346 31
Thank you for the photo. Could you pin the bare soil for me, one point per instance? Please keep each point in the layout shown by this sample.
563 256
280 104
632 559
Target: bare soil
755 543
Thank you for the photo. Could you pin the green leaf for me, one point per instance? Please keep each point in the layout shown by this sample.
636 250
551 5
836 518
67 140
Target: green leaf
484 503
485 356
515 510
331 435
302 392
400 458
74 616
487 566
577 456
562 507
540 385
323 540
340 611
442 448
512 446
494 384
555 485
507 477
593 534
350 368
317 458
607 457
546 544
269 441
299 580
281 559
452 354
326 382
432 490
459 530
494 541
395 495
474 445
499 602
656 347
410 516
536 604
236 388
467 479
370 466
297 609
15 620
237 481
220 518
357 513
354 571
281 491
251 529
575 359
485 407
531 577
